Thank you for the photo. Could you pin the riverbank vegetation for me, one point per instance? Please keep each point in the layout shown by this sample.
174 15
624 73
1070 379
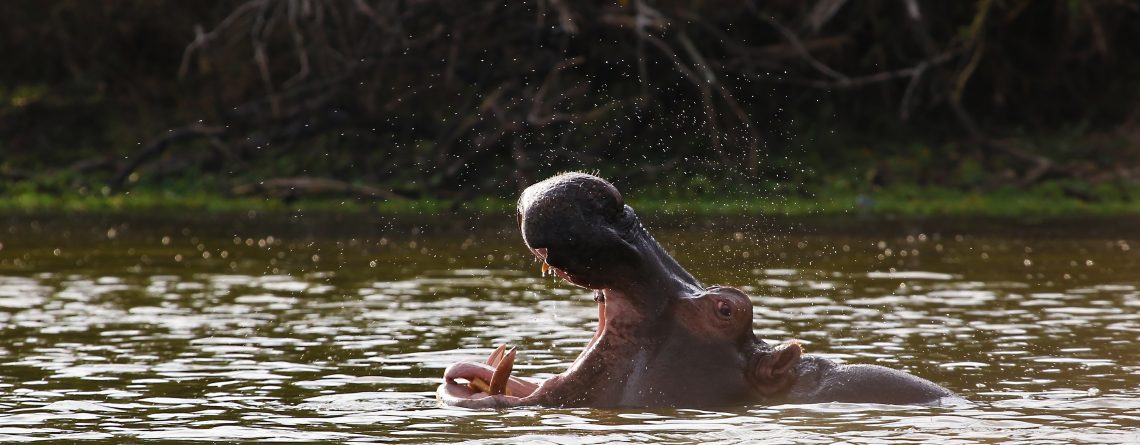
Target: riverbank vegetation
833 106
1047 200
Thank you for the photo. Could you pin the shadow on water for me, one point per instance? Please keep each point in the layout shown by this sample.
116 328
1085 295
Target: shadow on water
338 327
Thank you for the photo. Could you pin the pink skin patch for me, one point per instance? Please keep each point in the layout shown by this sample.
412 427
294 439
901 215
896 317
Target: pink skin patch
454 389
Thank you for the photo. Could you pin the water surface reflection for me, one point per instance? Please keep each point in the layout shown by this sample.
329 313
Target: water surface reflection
338 327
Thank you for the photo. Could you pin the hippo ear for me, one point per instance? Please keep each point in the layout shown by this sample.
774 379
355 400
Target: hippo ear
771 370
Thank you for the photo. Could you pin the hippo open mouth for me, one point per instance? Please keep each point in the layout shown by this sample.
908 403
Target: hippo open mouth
663 339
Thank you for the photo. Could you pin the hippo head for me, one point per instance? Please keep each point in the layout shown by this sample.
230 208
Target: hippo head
662 339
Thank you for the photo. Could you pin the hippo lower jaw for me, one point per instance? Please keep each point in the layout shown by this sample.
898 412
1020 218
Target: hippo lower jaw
470 384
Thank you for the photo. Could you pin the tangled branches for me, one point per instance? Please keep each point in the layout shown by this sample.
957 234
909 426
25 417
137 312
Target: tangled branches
445 97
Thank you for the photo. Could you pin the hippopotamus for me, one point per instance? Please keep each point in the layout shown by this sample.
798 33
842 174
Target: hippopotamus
663 339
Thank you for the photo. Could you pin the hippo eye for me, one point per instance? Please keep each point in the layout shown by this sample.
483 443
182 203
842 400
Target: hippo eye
723 309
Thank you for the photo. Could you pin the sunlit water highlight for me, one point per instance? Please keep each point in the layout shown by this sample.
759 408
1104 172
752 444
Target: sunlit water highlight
338 328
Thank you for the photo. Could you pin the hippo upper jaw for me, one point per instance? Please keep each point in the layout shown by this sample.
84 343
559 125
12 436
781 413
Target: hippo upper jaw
579 226
636 266
586 252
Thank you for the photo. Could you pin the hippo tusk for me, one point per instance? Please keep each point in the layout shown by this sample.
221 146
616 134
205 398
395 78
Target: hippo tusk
503 370
503 361
545 268
494 358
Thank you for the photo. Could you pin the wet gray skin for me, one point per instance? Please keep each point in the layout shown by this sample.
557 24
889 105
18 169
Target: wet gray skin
663 338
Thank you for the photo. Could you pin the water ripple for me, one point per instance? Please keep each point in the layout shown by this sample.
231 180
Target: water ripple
272 345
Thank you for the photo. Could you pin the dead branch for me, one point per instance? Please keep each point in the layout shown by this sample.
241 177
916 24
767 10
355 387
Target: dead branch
861 81
160 144
799 46
702 87
299 46
822 12
565 17
92 164
202 39
538 98
1038 165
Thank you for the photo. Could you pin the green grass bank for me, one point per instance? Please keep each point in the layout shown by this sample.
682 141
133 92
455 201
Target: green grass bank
1048 199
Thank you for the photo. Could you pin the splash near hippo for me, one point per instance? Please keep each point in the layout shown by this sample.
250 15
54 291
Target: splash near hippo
663 339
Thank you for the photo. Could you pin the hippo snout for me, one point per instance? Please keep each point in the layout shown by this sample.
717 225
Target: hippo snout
578 224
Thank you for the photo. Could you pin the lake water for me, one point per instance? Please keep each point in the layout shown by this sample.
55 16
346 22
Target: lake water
298 327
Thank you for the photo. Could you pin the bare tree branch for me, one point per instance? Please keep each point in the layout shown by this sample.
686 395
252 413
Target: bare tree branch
160 144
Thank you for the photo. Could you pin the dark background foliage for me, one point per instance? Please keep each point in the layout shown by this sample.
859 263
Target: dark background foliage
457 98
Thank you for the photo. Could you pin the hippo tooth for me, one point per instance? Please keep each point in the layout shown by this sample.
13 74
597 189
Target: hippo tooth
545 268
498 383
494 358
479 385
